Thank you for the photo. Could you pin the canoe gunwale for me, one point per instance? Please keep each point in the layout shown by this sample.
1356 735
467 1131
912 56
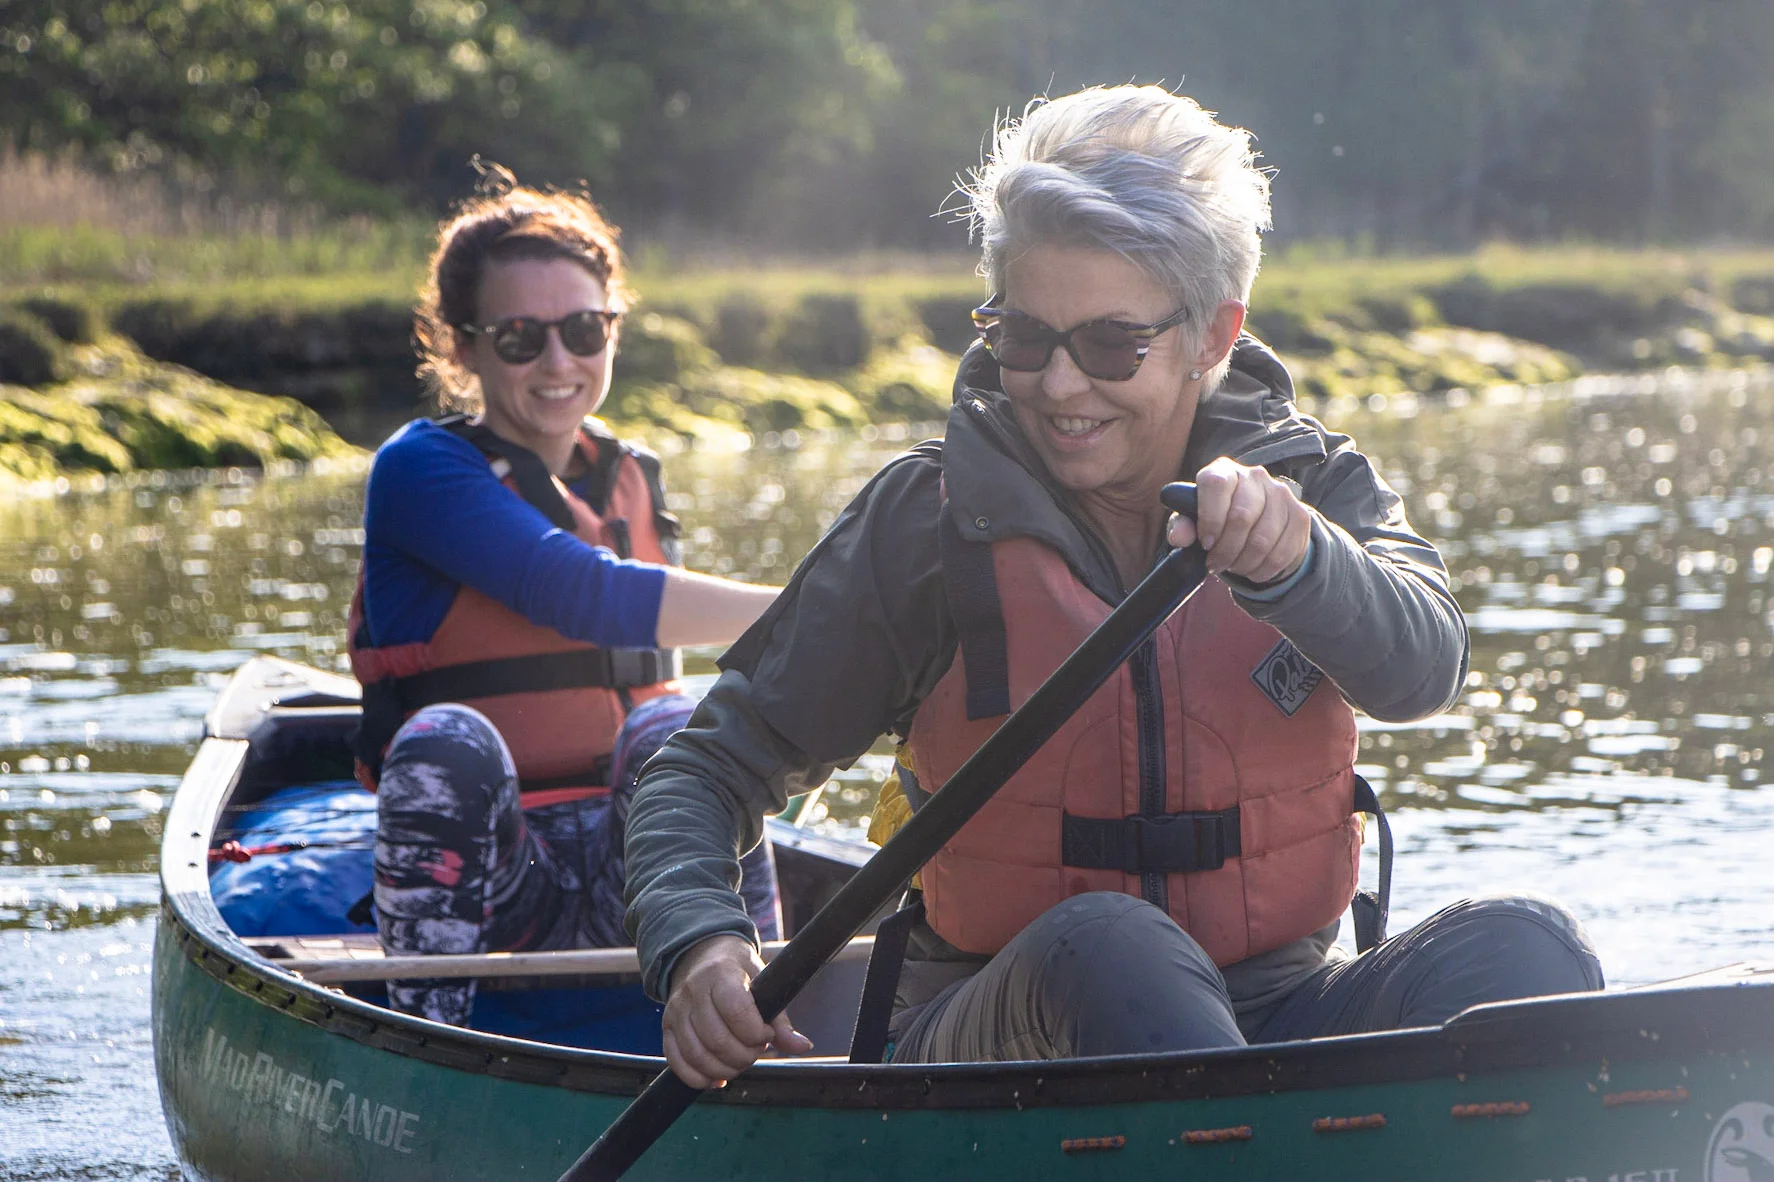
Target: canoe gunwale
1574 1030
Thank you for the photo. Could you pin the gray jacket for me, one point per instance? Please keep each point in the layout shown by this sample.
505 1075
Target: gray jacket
862 633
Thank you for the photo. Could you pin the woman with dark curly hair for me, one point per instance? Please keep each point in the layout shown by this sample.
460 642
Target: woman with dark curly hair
519 607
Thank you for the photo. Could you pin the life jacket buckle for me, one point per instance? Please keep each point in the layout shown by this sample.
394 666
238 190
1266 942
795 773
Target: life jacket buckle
1169 843
1179 842
644 666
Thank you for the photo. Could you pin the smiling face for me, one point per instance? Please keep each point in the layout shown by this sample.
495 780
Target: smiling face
540 403
1118 439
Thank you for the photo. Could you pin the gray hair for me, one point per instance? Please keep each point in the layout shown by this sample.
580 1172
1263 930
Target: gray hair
1136 170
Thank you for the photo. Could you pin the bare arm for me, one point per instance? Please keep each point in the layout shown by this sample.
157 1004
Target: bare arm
704 609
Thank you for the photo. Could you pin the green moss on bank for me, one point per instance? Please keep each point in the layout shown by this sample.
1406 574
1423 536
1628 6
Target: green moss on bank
120 412
709 353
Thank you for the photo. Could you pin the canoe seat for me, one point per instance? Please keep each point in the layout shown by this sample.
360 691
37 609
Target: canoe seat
349 946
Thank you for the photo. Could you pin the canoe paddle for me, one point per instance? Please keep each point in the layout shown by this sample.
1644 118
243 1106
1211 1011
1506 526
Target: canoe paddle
940 817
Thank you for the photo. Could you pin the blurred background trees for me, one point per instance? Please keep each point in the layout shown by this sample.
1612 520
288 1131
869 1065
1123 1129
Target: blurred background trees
836 124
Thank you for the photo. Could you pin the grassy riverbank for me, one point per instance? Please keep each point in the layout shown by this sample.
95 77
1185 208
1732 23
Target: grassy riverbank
724 347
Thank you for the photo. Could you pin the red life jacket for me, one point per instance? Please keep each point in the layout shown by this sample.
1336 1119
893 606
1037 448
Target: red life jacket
1213 774
559 703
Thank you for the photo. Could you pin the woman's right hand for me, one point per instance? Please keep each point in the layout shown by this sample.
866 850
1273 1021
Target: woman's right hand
713 1030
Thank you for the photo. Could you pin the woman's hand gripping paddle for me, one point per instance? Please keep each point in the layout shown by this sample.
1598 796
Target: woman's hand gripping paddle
1126 628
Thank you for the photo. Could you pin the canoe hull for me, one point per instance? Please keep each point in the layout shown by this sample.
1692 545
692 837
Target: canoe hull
266 1077
257 1087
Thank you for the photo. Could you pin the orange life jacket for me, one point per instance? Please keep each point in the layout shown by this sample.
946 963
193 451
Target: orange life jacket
1213 774
559 703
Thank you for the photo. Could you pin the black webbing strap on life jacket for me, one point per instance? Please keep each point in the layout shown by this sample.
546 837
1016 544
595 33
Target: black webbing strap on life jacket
525 467
381 717
1184 843
593 668
536 486
971 584
1369 909
868 1043
601 479
388 702
1167 843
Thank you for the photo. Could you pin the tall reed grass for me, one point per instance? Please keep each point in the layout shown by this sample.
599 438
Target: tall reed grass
64 222
76 230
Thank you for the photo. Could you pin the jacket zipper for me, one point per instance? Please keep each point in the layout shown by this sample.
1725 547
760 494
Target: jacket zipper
1148 697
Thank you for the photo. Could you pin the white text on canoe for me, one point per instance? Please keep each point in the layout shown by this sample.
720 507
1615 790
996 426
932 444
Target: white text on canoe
332 1106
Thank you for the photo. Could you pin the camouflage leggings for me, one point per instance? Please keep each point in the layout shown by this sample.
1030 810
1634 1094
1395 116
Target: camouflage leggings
460 867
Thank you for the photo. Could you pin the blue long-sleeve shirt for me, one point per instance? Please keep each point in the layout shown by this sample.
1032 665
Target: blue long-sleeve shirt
437 518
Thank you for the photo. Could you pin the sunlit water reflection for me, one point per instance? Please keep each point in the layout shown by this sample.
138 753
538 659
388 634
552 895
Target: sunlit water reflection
1613 544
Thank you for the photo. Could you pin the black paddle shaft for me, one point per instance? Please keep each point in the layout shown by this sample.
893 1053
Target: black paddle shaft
936 821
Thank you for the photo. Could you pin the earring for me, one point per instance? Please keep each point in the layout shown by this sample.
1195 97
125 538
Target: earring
1194 375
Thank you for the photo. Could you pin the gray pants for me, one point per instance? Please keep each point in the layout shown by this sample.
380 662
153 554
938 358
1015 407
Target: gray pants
1109 974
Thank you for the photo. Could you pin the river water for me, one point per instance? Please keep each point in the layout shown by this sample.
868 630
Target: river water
1612 540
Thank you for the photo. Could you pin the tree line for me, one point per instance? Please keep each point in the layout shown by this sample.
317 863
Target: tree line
833 124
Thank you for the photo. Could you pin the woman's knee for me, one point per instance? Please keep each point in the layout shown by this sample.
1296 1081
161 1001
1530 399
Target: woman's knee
1124 978
1533 943
443 746
644 732
1085 928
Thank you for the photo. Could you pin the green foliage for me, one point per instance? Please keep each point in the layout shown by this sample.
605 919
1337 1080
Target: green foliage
742 328
657 348
75 322
391 252
359 105
119 412
46 434
910 383
823 334
1346 328
1291 329
948 320
732 104
1571 315
1754 293
30 352
779 402
250 345
1428 361
838 124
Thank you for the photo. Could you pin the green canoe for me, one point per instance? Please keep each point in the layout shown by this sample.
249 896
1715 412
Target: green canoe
268 1074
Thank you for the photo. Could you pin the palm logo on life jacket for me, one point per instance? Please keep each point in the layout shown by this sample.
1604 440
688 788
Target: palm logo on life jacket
559 703
1286 676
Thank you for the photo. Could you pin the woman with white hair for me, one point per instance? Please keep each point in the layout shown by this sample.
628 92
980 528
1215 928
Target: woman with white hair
1169 871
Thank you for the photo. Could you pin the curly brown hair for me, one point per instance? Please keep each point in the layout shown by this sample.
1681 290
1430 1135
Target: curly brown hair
502 222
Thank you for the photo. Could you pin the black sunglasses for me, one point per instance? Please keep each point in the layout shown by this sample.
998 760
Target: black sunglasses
1109 350
521 339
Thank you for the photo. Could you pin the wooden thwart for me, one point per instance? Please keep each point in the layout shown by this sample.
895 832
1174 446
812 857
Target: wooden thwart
334 960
